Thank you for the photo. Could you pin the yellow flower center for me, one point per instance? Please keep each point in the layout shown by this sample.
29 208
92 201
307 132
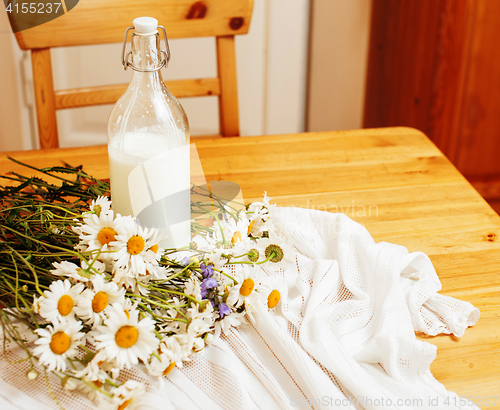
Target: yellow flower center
236 237
124 404
126 336
169 368
154 248
135 245
273 299
97 383
250 227
106 235
247 287
65 305
60 343
99 302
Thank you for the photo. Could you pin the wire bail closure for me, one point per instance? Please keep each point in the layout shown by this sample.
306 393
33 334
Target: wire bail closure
165 54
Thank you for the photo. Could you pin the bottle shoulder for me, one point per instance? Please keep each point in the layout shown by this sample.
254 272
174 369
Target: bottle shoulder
147 104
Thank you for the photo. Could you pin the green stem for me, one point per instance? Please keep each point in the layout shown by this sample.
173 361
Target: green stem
44 172
35 276
78 255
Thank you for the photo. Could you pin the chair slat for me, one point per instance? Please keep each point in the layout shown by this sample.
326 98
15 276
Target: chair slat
83 97
98 22
228 101
44 96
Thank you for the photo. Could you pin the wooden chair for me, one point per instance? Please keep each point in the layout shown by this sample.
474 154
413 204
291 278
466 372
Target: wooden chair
105 21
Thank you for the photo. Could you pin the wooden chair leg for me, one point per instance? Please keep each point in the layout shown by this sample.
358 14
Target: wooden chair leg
228 99
45 99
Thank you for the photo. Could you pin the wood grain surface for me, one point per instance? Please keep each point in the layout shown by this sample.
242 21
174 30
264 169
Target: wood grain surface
397 184
44 97
108 94
104 21
228 100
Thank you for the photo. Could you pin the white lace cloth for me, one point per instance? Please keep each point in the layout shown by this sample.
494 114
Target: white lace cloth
342 337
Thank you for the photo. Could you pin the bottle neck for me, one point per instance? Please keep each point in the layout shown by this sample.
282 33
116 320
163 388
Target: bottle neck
146 55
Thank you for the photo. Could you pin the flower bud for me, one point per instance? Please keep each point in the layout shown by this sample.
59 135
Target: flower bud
31 374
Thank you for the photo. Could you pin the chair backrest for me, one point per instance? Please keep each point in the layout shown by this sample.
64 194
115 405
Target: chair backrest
105 21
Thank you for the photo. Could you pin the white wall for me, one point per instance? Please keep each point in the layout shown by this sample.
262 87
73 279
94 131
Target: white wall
15 105
271 64
338 60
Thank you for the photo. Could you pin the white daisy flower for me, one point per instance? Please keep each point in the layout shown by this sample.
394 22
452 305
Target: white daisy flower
101 205
250 307
124 278
237 230
99 231
232 320
92 383
85 386
154 244
77 273
128 395
58 342
70 384
160 366
128 306
200 322
247 277
138 286
198 345
230 234
169 325
155 271
259 213
176 348
126 339
264 204
36 304
93 302
171 353
273 288
137 247
213 255
192 288
59 301
98 366
216 258
277 250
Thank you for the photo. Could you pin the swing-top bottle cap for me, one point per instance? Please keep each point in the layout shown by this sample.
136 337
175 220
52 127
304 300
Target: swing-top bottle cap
146 26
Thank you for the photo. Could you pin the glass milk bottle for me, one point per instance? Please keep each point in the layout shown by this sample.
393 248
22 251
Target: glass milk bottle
148 142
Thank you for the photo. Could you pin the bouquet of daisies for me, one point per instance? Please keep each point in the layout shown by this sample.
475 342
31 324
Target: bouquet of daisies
88 293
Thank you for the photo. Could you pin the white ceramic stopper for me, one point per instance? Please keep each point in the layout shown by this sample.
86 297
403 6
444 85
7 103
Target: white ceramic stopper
145 26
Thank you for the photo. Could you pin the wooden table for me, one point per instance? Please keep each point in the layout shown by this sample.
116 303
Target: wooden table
397 184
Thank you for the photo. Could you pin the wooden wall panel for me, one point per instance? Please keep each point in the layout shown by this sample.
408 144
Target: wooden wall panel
433 66
480 120
400 63
452 47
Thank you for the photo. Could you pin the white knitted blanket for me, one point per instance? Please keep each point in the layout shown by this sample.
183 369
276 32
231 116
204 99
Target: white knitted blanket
343 335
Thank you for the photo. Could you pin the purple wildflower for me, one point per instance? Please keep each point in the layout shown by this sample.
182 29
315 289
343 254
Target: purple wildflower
224 310
185 261
208 283
207 271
